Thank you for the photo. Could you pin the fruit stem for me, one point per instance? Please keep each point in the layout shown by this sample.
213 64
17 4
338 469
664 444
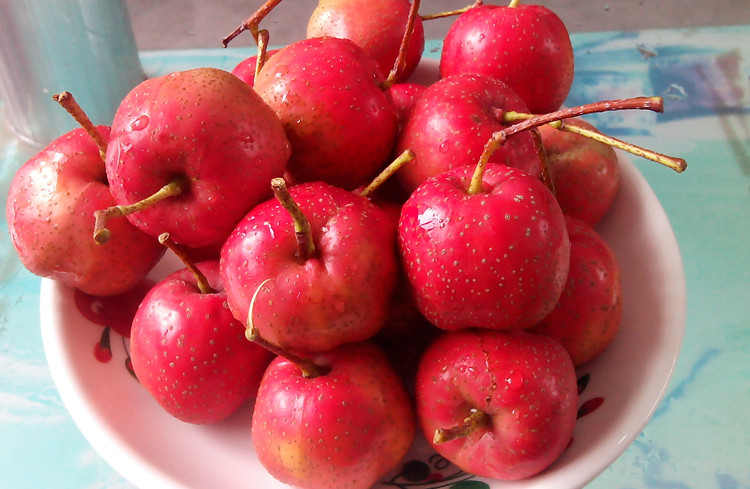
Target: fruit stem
514 3
475 420
405 157
102 216
200 277
70 104
655 104
475 186
677 164
309 368
260 60
400 63
302 231
498 138
450 13
251 23
510 117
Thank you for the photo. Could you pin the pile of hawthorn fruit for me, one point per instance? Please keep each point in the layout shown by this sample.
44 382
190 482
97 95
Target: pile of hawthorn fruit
365 256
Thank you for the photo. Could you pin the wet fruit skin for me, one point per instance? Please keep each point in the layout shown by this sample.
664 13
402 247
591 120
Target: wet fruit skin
585 173
210 131
340 430
452 120
525 383
190 353
587 317
340 294
497 259
527 46
377 27
49 210
326 91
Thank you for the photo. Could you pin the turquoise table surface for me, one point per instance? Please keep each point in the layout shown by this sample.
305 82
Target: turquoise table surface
698 438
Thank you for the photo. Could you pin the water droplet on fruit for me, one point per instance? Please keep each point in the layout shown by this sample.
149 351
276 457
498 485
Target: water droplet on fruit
464 369
140 123
515 381
444 147
248 141
429 220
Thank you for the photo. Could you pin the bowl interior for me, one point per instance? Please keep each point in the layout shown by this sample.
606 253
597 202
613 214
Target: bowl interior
152 449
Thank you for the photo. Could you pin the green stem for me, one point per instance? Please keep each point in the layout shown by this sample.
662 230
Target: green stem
103 216
302 230
677 164
475 186
405 157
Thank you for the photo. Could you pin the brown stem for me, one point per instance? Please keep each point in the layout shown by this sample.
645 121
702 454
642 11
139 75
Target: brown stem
405 157
475 420
302 231
529 121
498 138
102 216
70 104
514 3
200 277
400 64
450 13
545 174
655 104
252 22
309 368
677 164
510 117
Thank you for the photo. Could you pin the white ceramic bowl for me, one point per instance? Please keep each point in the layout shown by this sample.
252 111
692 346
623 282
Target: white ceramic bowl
153 450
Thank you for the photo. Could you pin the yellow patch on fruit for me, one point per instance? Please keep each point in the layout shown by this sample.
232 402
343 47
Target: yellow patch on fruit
290 455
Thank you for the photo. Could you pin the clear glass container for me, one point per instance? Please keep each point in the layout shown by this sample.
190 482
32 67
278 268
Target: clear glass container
85 47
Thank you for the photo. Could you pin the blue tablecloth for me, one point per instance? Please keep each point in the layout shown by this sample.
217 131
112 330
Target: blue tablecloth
699 438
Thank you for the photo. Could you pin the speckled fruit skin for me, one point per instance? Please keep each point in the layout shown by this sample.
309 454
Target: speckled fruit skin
207 127
340 122
525 382
404 96
452 121
527 46
357 423
497 259
339 295
588 315
50 213
377 27
189 352
585 173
